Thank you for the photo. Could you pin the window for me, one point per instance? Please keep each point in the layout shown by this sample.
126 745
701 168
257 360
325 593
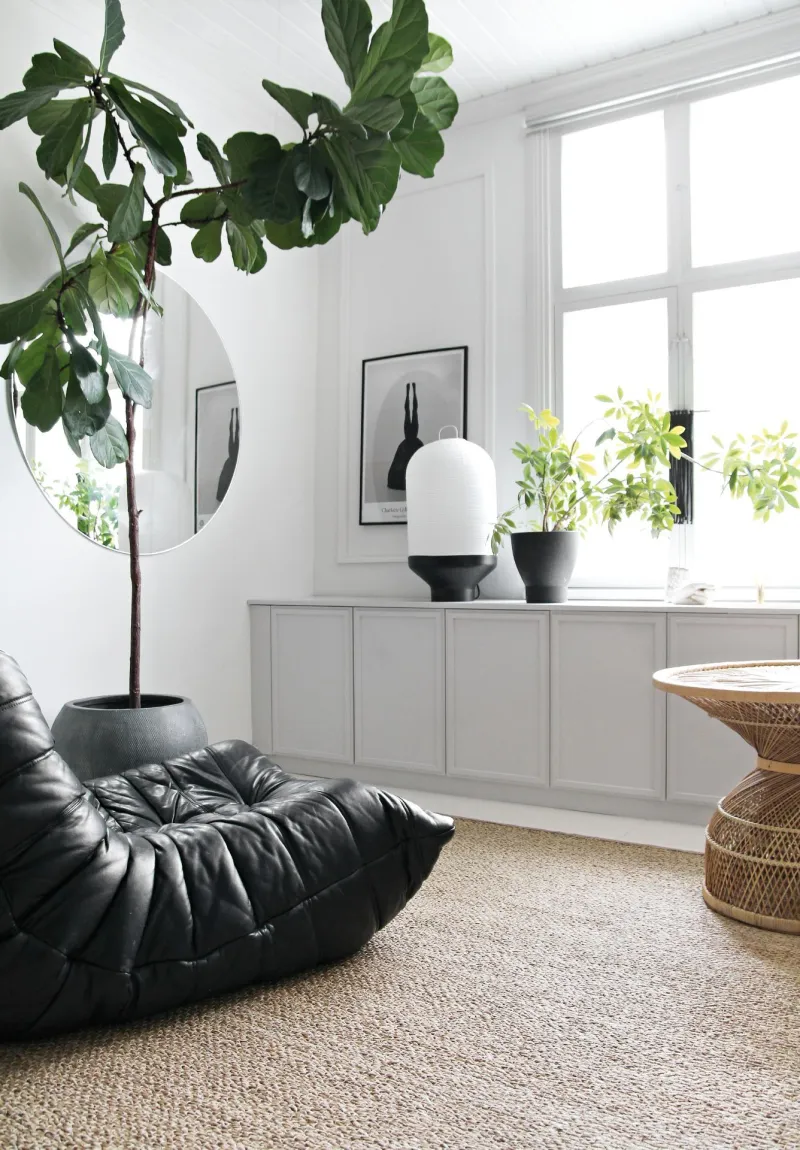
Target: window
676 269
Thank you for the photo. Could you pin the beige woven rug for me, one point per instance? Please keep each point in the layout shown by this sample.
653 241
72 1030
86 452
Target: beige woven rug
541 991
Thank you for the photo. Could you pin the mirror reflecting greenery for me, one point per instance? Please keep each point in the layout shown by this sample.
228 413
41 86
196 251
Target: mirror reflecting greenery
187 443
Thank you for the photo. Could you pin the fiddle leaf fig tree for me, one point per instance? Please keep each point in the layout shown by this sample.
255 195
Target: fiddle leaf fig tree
258 192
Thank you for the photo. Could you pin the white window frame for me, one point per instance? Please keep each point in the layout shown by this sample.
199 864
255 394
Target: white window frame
549 300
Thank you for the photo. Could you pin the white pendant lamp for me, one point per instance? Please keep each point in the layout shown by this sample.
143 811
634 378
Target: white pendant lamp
451 494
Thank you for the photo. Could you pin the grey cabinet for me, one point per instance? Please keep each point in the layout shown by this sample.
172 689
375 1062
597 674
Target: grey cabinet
312 683
498 690
399 689
607 720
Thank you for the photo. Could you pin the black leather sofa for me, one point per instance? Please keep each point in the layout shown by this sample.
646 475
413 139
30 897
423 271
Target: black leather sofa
138 892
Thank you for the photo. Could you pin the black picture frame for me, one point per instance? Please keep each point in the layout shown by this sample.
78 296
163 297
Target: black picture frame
367 515
198 390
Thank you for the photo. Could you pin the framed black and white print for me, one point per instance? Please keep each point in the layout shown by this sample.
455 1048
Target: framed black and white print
216 447
406 400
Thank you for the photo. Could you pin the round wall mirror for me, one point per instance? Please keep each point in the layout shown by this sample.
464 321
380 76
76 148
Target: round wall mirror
187 443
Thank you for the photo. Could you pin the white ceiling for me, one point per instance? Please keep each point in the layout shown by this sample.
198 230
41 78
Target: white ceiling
499 44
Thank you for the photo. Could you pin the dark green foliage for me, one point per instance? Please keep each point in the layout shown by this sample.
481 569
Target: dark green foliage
346 166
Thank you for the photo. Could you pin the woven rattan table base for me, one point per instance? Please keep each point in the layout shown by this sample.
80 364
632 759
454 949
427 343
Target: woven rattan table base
753 852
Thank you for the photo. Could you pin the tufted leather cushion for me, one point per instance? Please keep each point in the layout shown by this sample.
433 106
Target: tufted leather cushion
171 882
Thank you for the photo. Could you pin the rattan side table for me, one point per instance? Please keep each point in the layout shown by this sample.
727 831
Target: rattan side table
752 859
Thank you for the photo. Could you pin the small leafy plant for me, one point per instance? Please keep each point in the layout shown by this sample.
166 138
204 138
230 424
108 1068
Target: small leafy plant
764 471
95 506
567 488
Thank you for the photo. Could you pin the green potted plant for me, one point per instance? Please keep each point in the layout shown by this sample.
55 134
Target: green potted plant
565 489
345 166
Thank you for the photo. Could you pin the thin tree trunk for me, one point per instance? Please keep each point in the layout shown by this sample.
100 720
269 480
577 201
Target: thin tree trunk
134 682
139 317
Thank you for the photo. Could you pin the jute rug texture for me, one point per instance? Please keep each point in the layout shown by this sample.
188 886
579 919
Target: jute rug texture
542 992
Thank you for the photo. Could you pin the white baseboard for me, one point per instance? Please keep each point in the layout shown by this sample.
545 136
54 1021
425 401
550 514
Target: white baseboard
647 832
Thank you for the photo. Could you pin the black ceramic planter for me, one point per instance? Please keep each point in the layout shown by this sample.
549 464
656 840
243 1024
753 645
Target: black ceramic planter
104 736
545 560
453 578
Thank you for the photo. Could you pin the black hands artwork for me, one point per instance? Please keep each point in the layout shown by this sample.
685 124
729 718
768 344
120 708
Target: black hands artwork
229 466
411 442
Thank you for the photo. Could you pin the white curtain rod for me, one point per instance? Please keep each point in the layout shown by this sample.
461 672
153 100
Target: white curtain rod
762 71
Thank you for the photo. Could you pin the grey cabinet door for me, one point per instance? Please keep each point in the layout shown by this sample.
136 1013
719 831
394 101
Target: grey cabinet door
312 683
608 721
498 695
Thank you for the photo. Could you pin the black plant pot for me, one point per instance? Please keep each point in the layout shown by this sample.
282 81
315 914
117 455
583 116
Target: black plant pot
545 560
453 578
104 736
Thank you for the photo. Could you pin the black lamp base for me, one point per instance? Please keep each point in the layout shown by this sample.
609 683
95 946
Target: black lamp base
453 578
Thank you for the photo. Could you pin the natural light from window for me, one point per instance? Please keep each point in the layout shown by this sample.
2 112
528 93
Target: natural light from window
715 328
613 195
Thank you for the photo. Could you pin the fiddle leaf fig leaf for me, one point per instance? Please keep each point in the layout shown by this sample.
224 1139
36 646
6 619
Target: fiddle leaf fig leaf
72 310
202 208
163 248
298 104
74 60
408 102
109 445
247 251
132 380
126 223
81 418
97 324
74 171
310 174
86 184
110 146
421 151
245 148
42 119
379 164
108 197
81 234
395 53
157 130
307 224
439 56
270 192
347 24
31 359
43 398
18 105
112 287
169 104
26 191
12 359
436 100
347 188
381 114
19 317
211 153
87 369
207 243
50 71
59 142
330 114
113 34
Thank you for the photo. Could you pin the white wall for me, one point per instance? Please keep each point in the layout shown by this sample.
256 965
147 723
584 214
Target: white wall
446 267
63 601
